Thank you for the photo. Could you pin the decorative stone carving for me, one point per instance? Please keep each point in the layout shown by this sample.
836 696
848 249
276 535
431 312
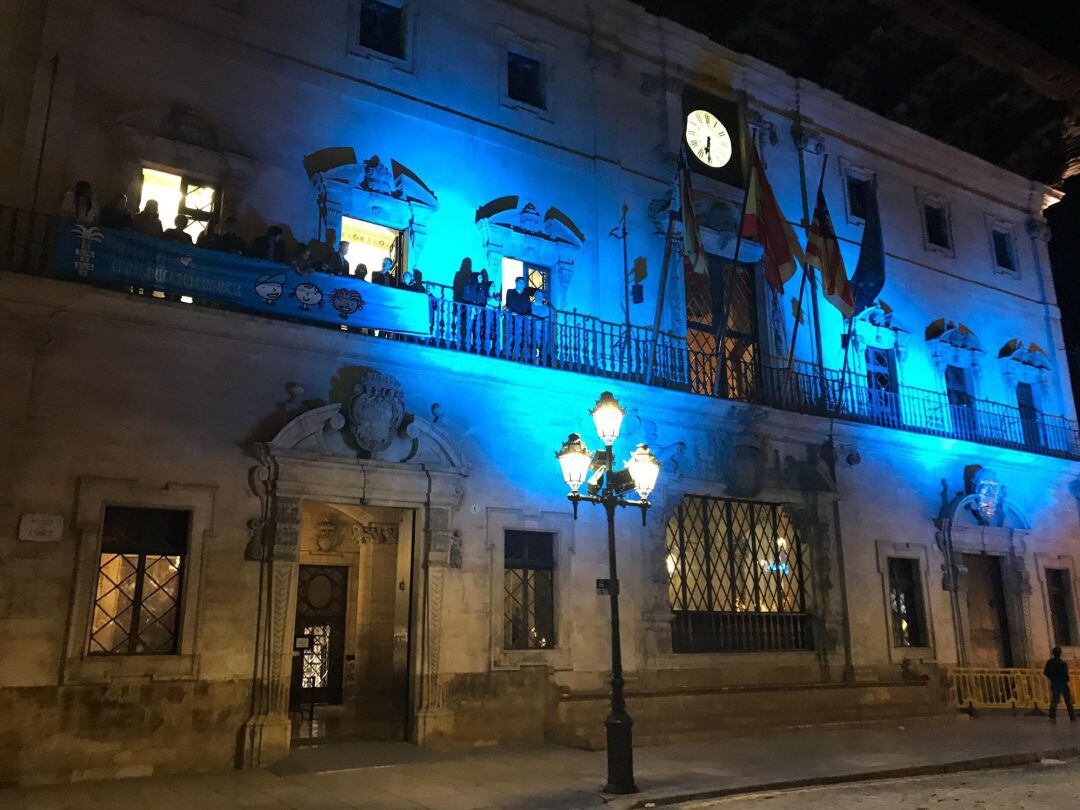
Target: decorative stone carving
1024 362
393 197
375 412
377 534
455 558
953 344
877 327
329 535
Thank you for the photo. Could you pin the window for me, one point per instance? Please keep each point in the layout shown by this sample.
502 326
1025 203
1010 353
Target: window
936 221
961 402
735 577
528 590
858 196
382 27
195 199
525 80
727 287
1030 423
1004 250
536 277
140 576
1059 593
369 244
905 603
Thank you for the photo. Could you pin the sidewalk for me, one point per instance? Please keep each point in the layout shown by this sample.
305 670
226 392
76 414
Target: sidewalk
398 775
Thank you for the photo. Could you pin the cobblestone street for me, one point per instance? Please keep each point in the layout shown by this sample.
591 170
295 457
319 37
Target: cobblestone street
1051 785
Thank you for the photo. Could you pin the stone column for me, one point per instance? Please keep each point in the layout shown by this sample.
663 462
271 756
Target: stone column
276 545
433 719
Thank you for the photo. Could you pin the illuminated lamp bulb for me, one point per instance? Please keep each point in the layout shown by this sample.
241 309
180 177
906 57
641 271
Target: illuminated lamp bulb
574 460
607 415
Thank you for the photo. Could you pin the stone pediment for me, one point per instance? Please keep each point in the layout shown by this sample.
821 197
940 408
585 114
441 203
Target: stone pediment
372 424
323 432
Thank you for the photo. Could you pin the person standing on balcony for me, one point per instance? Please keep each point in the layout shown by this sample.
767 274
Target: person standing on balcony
80 204
518 328
338 263
1057 672
541 323
270 247
322 253
227 239
117 214
177 233
148 221
518 300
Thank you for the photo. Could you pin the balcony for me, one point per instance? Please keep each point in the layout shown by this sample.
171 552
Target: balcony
41 245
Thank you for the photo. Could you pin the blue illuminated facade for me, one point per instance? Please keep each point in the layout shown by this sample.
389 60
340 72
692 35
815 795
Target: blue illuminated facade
324 425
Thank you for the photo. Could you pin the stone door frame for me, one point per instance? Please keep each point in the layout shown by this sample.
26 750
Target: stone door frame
287 477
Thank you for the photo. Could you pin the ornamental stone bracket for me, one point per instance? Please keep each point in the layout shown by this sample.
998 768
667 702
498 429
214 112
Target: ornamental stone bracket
511 227
392 196
876 327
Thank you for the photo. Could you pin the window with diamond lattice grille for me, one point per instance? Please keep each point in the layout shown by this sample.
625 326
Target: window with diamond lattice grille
727 287
735 577
529 591
140 578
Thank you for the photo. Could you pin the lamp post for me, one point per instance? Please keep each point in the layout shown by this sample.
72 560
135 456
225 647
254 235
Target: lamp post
606 487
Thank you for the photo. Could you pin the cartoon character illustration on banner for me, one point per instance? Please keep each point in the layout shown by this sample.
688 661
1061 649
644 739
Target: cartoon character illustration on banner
88 236
308 294
270 287
346 302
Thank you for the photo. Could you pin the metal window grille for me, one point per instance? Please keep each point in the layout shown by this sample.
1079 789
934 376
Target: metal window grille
736 577
1059 592
140 578
905 602
529 591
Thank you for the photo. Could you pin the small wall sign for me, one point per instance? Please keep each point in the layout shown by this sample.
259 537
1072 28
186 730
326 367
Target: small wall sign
41 528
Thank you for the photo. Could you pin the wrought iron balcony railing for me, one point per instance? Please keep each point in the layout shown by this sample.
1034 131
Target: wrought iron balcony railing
568 341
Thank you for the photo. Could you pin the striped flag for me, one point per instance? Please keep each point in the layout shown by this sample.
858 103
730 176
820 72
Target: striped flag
823 252
869 276
764 222
694 259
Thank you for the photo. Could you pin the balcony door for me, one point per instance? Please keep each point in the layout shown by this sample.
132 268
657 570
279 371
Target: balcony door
730 371
881 385
961 402
1029 415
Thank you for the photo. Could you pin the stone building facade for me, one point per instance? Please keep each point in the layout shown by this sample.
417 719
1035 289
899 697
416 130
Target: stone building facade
222 533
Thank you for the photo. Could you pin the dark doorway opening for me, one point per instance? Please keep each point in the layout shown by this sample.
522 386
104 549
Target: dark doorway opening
988 622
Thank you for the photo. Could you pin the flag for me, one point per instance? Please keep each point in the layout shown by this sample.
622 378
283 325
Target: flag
693 250
764 222
869 275
823 252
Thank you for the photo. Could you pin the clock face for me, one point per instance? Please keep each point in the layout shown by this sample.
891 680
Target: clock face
708 139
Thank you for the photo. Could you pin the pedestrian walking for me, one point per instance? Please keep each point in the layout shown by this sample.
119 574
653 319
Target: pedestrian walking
1057 672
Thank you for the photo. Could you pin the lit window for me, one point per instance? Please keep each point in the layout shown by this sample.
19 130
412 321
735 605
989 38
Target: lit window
175 194
140 574
529 590
536 277
735 577
1059 593
1004 250
905 603
382 27
525 80
936 218
369 244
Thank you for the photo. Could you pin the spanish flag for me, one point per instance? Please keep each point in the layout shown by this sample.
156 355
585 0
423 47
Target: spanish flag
823 252
764 223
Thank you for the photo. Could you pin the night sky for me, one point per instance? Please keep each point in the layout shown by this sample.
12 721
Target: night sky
1052 24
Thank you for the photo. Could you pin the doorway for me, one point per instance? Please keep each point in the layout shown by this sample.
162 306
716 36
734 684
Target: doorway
988 623
352 640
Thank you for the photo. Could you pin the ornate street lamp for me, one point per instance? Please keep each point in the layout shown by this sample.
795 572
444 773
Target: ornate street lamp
606 487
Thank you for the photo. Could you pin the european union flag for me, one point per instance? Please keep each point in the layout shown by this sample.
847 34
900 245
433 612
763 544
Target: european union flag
869 275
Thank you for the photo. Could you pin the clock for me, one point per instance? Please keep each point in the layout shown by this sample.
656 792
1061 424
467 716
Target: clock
708 138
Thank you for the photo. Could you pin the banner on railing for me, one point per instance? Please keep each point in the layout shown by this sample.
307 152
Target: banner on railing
125 259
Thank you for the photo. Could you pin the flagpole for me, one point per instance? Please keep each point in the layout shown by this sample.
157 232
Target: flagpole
795 332
626 289
800 141
660 293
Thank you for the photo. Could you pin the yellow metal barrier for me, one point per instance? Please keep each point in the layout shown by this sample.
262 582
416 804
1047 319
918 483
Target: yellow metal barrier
991 688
